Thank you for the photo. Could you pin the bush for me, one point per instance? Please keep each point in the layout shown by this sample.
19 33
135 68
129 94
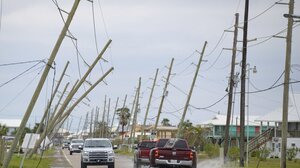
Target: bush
262 154
234 153
212 150
291 153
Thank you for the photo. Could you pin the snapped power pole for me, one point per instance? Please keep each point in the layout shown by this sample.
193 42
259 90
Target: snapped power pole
180 129
231 85
243 86
132 136
37 92
285 106
148 106
163 95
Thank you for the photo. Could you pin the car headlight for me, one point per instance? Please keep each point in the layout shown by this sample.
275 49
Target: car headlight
85 153
111 153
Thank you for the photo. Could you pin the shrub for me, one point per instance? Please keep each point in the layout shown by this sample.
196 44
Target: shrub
262 154
291 153
212 150
234 153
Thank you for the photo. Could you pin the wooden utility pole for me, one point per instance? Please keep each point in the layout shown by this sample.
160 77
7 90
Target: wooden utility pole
132 133
103 119
231 85
285 108
79 125
40 85
243 86
164 95
96 123
108 111
149 102
91 124
59 100
180 129
132 112
113 119
51 99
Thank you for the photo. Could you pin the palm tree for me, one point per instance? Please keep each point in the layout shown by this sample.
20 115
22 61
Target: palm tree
3 130
124 116
165 122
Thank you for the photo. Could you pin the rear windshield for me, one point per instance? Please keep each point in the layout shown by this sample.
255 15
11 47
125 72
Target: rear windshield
176 143
161 143
147 144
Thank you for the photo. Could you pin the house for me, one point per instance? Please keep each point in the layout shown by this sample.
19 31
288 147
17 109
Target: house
275 118
11 124
218 123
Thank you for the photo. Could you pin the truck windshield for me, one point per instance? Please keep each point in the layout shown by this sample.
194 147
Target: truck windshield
147 144
77 141
162 142
97 144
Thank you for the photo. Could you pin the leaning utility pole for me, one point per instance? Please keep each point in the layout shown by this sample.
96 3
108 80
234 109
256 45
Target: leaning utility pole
285 108
113 119
91 124
149 102
103 119
164 95
131 112
132 133
40 86
38 130
108 111
243 86
79 125
231 85
180 129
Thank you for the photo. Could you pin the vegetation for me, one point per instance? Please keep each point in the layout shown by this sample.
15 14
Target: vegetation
165 122
212 150
124 116
3 130
234 153
292 153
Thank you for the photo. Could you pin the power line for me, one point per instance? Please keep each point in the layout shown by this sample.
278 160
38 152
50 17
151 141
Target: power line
295 104
22 62
270 88
180 90
271 85
18 94
215 103
22 73
215 61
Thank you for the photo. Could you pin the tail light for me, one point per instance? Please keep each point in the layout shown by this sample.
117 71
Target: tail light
191 155
156 153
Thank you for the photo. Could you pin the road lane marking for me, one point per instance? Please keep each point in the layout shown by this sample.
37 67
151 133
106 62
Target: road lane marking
67 158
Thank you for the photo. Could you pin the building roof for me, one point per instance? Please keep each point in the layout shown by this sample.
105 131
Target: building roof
11 123
276 115
221 120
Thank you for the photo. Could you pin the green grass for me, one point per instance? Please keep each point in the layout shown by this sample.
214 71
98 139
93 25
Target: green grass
124 152
269 163
32 162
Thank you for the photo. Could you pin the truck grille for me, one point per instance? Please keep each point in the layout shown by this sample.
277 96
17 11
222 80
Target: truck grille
98 156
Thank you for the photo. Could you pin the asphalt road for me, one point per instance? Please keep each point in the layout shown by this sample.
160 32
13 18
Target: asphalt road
120 162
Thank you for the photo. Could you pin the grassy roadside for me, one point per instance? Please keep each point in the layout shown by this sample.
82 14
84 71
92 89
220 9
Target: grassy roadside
32 162
124 152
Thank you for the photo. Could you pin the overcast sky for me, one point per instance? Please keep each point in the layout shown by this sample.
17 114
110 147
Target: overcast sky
145 35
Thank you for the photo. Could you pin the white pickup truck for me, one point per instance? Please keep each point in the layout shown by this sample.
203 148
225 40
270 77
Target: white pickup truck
97 151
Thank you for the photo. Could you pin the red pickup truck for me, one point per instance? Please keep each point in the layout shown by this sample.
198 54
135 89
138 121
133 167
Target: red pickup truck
175 153
141 154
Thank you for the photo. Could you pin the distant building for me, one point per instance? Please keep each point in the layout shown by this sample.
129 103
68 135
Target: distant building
11 124
275 118
217 125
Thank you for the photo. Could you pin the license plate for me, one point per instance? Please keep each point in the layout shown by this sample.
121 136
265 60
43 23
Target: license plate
173 161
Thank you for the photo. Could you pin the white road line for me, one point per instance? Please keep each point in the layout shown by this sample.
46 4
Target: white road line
67 158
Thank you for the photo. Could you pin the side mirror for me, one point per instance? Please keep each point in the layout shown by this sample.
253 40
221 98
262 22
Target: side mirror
192 147
115 147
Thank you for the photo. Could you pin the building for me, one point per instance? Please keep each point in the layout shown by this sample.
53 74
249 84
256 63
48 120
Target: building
218 123
275 118
11 124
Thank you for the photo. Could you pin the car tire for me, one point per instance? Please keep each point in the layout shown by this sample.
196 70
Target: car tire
71 152
111 165
83 165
